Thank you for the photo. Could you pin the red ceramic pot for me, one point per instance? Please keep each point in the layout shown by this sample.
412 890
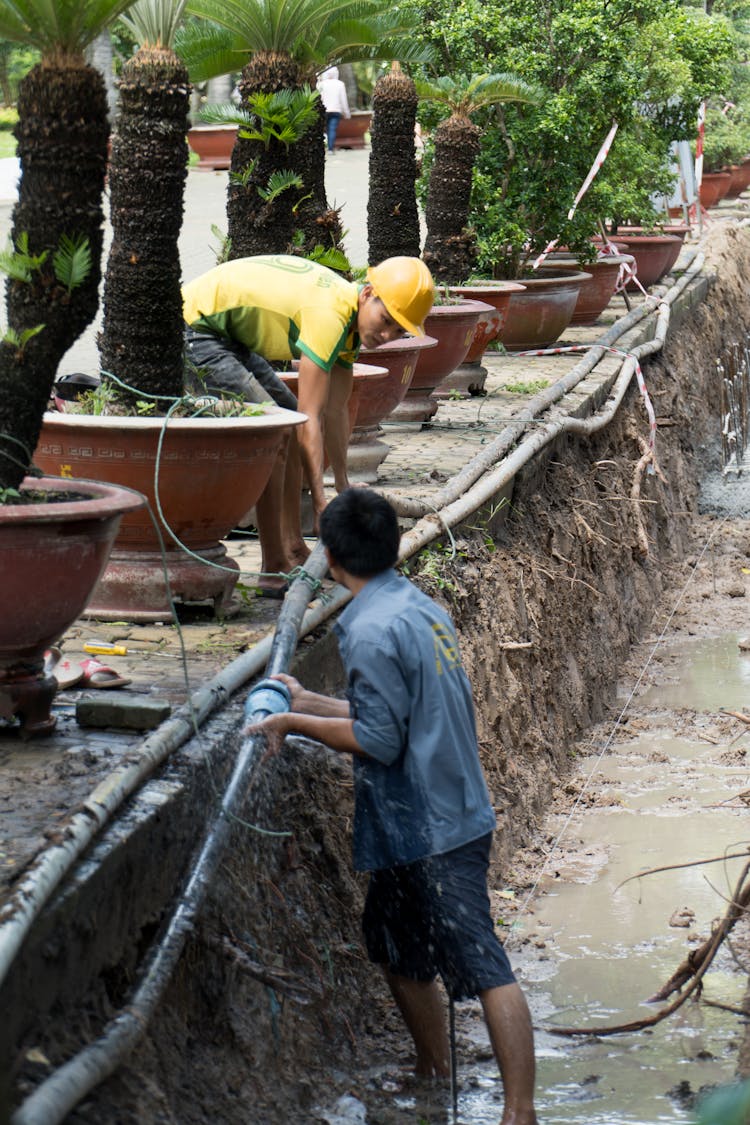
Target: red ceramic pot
211 472
351 130
52 555
543 310
453 327
494 293
595 294
714 186
680 231
213 145
740 180
652 253
400 358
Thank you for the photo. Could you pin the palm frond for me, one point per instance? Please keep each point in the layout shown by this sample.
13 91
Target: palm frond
279 182
154 22
467 95
209 50
72 261
58 27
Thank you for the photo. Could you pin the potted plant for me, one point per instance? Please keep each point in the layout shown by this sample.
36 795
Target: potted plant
51 296
123 434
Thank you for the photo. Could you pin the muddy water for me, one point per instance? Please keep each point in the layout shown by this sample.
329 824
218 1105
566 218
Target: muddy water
597 950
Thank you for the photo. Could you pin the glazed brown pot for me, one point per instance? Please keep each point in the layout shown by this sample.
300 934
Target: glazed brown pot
51 558
453 327
680 231
652 253
494 293
596 293
351 130
714 186
740 179
213 145
539 315
211 471
400 358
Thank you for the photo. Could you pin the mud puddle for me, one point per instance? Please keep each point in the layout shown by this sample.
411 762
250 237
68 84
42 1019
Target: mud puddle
595 950
588 951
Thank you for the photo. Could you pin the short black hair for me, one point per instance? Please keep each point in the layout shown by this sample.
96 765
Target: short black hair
360 529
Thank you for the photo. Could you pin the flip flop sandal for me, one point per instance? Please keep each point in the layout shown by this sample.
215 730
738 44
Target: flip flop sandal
66 674
94 674
277 593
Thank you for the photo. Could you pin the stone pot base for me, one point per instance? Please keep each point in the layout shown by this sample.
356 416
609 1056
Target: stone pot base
467 381
365 455
133 589
27 694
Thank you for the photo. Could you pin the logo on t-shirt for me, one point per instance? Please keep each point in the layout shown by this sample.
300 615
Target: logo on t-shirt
446 649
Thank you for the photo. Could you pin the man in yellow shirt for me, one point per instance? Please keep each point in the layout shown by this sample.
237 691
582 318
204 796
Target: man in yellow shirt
245 314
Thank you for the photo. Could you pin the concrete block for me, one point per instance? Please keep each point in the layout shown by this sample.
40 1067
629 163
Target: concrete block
113 709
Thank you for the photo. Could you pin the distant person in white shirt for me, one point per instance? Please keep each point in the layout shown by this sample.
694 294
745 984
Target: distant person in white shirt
335 102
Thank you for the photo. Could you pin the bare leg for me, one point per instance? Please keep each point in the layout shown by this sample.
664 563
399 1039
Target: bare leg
423 1012
295 547
509 1024
268 511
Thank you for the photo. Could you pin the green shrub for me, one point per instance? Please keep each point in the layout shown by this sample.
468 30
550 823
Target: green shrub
8 117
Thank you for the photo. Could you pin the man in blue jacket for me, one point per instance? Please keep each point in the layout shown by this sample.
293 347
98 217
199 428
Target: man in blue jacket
423 819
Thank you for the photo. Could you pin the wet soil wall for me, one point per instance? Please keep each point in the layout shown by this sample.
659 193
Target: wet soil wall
273 1000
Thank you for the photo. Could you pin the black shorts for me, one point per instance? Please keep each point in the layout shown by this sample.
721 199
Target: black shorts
432 917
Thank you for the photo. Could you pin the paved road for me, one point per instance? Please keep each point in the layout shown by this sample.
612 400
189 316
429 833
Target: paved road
205 207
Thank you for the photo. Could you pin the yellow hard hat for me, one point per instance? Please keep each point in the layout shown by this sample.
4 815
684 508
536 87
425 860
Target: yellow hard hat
406 288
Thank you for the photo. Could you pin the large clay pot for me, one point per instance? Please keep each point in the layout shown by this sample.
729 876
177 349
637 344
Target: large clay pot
213 145
740 179
470 376
596 293
367 393
400 358
714 186
453 327
539 315
653 254
680 231
52 555
210 472
351 130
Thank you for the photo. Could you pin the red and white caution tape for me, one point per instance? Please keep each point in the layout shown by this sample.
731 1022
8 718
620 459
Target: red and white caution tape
601 156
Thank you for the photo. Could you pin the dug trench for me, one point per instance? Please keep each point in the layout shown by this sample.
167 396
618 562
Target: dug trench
274 1010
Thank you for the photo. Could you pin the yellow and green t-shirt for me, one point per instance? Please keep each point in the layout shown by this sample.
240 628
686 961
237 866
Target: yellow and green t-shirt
279 306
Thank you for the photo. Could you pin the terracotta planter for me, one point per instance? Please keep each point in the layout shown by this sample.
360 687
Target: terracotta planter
740 180
680 231
51 558
653 254
351 130
364 401
400 358
213 145
453 327
714 186
540 314
596 293
211 471
470 376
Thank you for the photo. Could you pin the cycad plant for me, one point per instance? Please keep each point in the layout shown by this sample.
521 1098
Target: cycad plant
62 144
450 247
272 124
392 216
283 44
141 343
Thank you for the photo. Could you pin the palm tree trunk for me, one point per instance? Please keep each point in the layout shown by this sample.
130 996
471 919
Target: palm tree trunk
450 248
392 216
142 337
62 145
